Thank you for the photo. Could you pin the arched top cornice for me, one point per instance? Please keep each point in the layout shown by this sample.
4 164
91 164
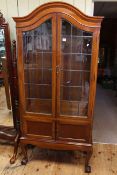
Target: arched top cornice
57 7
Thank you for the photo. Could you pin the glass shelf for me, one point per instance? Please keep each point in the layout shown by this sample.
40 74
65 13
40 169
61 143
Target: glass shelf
38 84
72 70
77 101
65 53
38 99
38 51
76 36
70 86
38 35
38 68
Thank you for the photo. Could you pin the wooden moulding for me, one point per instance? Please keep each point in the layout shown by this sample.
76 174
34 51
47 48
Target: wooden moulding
54 7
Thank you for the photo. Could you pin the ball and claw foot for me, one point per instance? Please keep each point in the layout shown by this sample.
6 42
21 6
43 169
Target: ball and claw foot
87 169
24 161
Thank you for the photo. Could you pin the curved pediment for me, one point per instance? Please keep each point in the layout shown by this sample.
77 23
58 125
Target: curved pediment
57 7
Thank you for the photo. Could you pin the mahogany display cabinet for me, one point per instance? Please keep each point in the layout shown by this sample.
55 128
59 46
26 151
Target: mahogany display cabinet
57 71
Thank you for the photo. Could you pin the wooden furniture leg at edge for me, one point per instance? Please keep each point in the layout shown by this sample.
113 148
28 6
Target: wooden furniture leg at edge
87 166
16 144
24 151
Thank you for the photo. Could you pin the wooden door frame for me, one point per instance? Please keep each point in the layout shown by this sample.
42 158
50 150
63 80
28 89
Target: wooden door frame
93 71
25 116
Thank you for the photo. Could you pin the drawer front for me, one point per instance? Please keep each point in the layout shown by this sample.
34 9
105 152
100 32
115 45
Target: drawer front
73 132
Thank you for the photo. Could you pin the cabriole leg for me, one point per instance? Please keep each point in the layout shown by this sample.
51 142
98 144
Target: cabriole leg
24 152
87 166
16 144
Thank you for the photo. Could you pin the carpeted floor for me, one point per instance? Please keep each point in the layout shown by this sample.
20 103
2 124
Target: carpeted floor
105 116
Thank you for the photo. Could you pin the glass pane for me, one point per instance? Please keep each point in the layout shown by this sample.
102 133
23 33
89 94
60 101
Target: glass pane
37 47
2 44
76 46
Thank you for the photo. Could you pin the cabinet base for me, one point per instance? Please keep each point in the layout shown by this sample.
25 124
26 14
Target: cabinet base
57 145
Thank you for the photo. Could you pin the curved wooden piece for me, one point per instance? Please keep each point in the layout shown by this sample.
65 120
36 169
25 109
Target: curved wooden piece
7 133
88 169
24 151
87 166
60 7
16 144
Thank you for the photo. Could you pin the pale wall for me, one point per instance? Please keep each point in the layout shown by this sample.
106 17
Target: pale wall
11 8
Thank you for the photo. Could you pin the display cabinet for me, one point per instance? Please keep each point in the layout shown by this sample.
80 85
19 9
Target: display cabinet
57 71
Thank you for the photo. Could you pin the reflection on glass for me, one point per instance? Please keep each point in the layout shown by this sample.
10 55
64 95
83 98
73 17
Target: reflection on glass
2 44
76 46
37 45
2 56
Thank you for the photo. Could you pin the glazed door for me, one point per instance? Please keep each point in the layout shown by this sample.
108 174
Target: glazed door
73 80
37 79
